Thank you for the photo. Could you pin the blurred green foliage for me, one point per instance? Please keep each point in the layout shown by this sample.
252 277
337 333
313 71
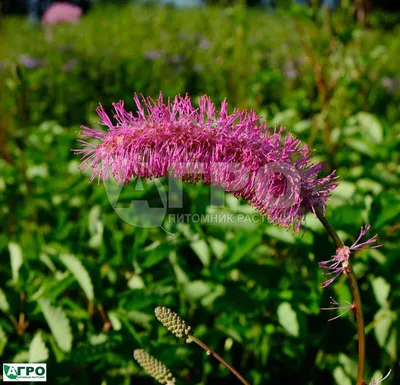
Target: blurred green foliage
79 285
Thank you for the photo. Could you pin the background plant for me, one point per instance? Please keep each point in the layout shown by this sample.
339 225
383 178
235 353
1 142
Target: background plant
78 285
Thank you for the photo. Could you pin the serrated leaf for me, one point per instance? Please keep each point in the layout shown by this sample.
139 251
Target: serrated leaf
287 317
381 290
16 259
37 349
58 324
74 265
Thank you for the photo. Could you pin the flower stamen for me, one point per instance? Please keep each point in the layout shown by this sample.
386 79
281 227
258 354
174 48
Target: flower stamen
349 308
381 379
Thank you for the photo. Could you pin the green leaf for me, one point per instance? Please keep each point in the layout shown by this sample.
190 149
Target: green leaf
21 356
180 274
361 146
280 234
288 319
155 253
386 332
37 349
384 209
153 259
302 127
202 250
286 118
345 190
381 290
196 290
240 247
218 247
341 377
370 127
348 364
115 322
58 324
74 265
136 282
4 306
96 227
139 317
383 321
391 345
3 340
210 298
16 259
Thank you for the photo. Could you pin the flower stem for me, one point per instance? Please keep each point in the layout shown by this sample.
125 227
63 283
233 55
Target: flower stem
211 352
329 228
356 297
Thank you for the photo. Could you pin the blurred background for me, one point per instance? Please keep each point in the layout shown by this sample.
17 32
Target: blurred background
78 285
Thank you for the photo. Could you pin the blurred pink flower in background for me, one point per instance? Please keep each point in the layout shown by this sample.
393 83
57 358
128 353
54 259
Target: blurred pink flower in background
62 12
31 62
70 65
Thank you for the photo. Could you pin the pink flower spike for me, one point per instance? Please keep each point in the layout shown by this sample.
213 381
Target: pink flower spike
271 170
350 307
358 246
379 380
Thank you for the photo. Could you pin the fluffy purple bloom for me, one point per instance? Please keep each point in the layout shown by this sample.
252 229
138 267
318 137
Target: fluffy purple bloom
236 151
339 262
